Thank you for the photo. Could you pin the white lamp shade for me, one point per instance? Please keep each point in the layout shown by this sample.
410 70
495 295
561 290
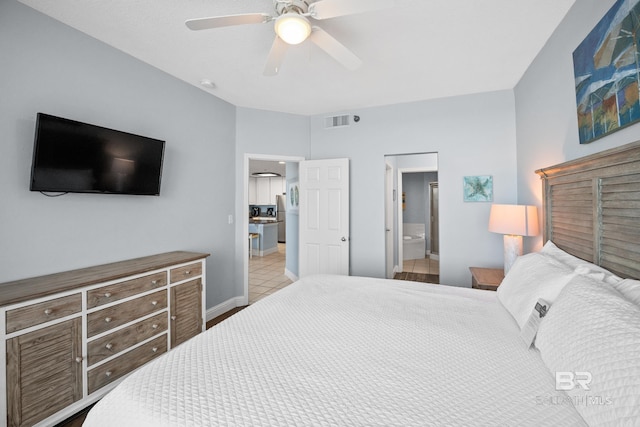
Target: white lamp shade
518 220
292 28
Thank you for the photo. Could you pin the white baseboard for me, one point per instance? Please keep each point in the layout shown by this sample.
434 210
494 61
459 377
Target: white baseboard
267 251
290 275
223 307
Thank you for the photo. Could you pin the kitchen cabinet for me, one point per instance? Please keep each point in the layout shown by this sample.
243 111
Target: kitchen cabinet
263 191
277 187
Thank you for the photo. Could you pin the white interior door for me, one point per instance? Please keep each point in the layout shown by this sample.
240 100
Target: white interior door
324 217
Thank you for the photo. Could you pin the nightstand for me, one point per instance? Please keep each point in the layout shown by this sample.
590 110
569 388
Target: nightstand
486 278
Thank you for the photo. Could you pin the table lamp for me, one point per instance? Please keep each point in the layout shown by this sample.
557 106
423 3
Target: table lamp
514 221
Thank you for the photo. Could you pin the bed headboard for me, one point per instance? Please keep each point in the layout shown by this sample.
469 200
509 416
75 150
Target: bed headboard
591 208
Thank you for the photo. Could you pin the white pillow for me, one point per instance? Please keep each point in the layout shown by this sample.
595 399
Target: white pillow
579 265
630 289
532 277
591 339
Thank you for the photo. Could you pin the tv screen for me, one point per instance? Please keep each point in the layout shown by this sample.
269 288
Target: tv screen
70 156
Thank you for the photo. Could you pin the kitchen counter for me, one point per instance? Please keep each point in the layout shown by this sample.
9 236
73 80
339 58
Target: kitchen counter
262 221
268 231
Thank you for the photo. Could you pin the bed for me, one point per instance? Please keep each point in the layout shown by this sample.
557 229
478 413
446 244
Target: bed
354 351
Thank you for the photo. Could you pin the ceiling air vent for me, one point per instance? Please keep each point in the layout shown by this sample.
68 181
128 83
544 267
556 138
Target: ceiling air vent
336 121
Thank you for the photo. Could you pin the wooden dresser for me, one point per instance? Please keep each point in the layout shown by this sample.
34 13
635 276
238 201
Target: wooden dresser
69 338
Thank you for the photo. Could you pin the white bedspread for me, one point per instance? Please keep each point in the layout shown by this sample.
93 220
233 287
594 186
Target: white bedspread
348 351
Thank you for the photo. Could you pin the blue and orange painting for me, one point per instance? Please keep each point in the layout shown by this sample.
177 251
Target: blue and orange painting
607 73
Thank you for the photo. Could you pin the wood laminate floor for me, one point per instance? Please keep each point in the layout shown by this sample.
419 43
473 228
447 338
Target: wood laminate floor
425 269
417 277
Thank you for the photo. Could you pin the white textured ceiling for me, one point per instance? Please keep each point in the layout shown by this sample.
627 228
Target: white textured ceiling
415 50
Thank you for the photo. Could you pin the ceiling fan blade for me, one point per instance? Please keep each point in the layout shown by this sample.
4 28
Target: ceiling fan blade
326 9
335 49
227 21
276 55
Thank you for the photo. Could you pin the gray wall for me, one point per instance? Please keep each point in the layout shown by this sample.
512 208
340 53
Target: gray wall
546 122
415 197
260 132
49 67
473 135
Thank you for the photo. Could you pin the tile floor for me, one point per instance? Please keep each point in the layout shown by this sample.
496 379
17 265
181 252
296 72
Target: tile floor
422 265
266 274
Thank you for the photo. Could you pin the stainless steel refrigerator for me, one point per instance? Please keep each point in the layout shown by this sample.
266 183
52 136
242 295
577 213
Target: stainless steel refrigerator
281 214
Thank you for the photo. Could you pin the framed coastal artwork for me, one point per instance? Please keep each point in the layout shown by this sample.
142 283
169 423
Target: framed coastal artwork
606 73
478 188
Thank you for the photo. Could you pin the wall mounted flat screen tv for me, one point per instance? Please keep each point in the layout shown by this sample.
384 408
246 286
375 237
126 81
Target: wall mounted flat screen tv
75 157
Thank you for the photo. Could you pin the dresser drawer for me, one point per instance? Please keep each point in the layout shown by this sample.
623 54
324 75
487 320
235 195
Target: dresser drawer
120 366
35 314
186 272
118 341
118 291
111 317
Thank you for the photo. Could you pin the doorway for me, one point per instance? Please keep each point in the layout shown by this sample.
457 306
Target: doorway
412 217
270 261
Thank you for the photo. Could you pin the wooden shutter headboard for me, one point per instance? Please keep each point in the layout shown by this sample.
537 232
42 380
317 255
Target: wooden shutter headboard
591 208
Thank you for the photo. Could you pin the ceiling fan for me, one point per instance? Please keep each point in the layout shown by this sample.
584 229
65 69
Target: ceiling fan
293 26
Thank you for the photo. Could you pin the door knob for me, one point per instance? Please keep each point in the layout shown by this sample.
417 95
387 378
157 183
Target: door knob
344 239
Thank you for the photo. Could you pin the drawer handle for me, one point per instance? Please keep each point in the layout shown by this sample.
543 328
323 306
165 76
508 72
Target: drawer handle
48 311
79 359
173 317
188 272
154 282
108 373
109 346
107 319
107 294
155 349
154 326
154 302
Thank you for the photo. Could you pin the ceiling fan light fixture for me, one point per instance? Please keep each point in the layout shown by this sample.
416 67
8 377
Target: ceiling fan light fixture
292 28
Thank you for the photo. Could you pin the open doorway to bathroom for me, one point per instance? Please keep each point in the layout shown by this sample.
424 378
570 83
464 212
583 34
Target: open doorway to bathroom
271 260
412 217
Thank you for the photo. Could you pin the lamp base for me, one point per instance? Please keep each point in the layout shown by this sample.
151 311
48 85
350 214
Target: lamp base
512 250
